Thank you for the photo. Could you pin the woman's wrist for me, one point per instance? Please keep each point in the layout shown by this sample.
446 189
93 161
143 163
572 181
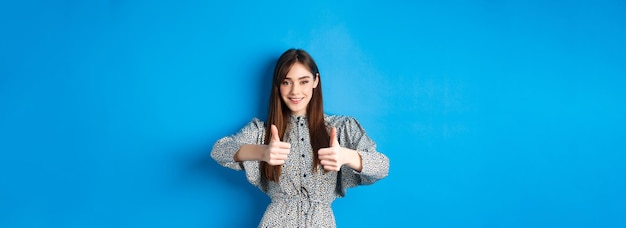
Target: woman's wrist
354 159
250 152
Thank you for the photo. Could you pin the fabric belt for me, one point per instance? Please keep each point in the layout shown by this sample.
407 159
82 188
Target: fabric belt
305 204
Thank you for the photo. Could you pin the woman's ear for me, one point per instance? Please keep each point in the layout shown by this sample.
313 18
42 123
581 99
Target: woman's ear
317 80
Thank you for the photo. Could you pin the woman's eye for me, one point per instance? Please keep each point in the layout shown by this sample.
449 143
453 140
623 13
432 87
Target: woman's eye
304 82
285 83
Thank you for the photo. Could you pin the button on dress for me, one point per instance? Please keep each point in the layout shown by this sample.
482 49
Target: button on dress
303 197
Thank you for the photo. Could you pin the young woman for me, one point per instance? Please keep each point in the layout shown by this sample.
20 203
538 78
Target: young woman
300 157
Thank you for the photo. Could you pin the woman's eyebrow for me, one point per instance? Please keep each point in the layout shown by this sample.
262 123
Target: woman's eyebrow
299 78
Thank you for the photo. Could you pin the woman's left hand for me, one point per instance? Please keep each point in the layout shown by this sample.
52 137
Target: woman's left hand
332 157
335 156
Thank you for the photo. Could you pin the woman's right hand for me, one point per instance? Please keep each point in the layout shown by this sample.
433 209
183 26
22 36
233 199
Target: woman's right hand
276 152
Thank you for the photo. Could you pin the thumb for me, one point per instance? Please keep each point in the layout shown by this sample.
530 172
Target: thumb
333 137
274 132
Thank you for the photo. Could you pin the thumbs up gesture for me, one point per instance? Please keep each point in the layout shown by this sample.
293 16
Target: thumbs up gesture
332 157
276 152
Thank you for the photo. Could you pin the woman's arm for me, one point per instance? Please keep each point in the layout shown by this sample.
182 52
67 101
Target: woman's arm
335 156
274 154
355 143
352 159
225 149
250 152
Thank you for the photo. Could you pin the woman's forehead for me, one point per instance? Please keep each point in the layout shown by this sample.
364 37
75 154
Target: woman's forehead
298 71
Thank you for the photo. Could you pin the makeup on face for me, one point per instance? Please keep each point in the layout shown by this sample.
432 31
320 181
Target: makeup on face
297 89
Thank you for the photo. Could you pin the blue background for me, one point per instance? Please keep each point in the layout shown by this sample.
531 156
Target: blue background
493 113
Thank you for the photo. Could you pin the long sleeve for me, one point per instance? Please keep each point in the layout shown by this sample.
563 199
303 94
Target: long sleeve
303 195
375 164
225 148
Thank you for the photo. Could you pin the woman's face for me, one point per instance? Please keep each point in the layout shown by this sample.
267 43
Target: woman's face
297 88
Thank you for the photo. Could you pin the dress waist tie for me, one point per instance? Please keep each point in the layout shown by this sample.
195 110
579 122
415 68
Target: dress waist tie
305 205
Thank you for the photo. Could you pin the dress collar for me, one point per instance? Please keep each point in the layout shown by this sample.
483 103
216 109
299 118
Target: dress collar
295 118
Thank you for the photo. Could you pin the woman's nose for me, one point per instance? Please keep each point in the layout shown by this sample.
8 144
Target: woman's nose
293 89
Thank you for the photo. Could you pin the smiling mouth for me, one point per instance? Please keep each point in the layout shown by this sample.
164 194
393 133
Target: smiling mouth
296 100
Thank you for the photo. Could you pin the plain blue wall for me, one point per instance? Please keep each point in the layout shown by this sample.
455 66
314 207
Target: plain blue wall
493 113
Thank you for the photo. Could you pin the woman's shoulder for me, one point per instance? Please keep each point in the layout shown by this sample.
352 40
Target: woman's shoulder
255 124
341 121
257 121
